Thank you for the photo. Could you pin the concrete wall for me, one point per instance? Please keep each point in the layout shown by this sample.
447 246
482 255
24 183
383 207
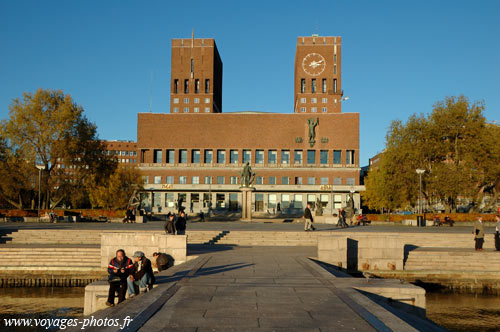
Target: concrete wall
147 242
358 252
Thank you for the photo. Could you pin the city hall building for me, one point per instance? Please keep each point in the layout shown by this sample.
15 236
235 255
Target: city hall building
196 152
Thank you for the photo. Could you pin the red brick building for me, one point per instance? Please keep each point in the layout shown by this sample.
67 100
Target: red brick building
125 152
304 156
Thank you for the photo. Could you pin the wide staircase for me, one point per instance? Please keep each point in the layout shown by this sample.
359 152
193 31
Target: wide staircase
269 238
53 236
453 259
50 258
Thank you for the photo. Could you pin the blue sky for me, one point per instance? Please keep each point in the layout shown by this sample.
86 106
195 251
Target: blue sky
398 57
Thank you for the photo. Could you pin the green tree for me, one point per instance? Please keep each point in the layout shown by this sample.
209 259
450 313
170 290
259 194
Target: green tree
453 144
115 191
48 128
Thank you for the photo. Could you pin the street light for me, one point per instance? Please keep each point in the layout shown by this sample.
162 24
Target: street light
40 168
420 172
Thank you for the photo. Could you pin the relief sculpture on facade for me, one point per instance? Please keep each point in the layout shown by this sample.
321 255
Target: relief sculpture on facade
312 123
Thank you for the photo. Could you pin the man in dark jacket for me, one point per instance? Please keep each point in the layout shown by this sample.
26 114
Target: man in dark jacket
308 218
118 271
169 224
141 276
180 224
162 261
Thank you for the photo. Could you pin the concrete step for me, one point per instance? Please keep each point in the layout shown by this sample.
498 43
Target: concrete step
53 268
454 259
49 250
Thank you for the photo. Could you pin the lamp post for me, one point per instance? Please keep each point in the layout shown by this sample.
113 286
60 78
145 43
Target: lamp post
420 172
40 168
332 202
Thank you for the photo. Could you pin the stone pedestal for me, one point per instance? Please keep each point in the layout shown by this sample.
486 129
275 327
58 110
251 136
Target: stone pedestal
246 209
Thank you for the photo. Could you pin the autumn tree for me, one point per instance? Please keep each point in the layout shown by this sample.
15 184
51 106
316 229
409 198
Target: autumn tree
454 145
50 129
19 179
116 190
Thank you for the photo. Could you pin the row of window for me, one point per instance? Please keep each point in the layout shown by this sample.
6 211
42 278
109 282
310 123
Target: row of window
121 153
285 180
314 109
196 86
313 89
313 100
272 156
195 100
195 109
127 160
285 200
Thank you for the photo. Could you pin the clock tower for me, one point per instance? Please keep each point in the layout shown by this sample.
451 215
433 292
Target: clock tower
318 84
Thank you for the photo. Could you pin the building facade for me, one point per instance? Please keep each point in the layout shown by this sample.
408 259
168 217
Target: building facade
318 79
298 158
125 152
196 77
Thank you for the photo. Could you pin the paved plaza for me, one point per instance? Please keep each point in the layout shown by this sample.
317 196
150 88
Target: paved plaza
256 289
257 225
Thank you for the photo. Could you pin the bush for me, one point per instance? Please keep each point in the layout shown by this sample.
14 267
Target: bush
457 217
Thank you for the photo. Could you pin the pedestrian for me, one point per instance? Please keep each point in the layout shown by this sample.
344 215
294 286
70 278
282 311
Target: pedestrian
278 208
128 216
180 223
141 276
479 234
169 224
342 219
308 219
52 216
497 232
202 216
163 261
118 271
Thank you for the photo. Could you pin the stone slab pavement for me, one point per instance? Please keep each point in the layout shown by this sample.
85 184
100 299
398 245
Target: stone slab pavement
251 289
236 226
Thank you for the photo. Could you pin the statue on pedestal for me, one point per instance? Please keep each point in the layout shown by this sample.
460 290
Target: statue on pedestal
247 177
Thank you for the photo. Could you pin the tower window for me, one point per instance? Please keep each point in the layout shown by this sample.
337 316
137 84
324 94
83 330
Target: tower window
313 85
186 86
334 85
302 85
323 86
207 86
192 65
335 69
196 86
176 86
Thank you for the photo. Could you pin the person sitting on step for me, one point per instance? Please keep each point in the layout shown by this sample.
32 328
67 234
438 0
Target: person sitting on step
141 275
118 271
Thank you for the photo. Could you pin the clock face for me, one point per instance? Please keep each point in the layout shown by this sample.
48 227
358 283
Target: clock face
313 64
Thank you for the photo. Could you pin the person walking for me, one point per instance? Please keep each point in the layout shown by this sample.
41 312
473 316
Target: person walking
497 232
479 234
308 219
169 224
342 219
180 223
